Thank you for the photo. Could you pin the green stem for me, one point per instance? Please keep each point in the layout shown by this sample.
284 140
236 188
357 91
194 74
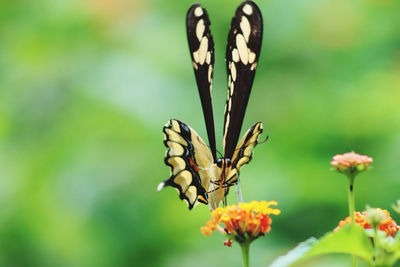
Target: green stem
245 253
352 208
351 199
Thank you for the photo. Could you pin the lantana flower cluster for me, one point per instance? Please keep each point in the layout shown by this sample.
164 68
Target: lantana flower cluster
363 219
244 222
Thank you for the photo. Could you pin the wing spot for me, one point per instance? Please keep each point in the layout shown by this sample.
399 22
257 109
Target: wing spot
196 57
199 11
202 51
208 57
209 74
200 27
248 151
175 149
191 193
233 72
247 9
253 139
231 87
235 55
184 179
202 199
226 123
252 57
242 161
175 137
194 65
253 66
242 47
193 165
177 163
175 126
246 28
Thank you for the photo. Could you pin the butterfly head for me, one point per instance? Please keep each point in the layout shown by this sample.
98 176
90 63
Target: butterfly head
223 163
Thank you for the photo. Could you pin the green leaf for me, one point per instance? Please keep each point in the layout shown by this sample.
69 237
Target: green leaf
348 239
295 254
389 249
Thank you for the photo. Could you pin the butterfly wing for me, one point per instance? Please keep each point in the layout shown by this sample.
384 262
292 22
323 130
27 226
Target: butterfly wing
242 53
191 163
201 47
244 151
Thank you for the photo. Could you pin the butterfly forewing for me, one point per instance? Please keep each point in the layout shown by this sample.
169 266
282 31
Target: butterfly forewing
201 46
190 161
242 53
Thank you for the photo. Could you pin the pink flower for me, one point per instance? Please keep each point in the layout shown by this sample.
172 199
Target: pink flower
351 162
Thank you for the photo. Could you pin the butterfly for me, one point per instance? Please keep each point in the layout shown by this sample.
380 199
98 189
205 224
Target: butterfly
196 172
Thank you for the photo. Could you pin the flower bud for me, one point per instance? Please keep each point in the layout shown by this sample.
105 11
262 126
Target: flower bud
375 216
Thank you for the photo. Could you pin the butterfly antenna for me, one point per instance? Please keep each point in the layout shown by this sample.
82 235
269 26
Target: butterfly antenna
219 153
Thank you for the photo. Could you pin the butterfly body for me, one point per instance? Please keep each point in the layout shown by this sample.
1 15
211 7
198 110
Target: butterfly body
196 172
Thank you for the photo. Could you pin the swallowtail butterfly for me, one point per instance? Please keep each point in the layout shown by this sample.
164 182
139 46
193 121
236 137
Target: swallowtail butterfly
196 172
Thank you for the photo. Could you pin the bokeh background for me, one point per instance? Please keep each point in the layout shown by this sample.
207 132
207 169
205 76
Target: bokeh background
86 86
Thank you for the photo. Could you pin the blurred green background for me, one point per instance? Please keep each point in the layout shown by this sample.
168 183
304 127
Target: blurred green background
86 86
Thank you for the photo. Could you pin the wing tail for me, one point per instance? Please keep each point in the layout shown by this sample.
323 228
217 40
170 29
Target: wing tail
201 46
242 53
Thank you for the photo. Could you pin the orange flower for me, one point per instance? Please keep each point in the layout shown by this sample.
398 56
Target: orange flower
387 224
351 162
244 222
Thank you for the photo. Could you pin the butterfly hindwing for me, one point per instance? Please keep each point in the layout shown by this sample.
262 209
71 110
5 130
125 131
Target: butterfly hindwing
244 151
201 46
190 161
242 53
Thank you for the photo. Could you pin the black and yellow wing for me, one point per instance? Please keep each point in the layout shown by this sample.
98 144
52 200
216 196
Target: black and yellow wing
191 163
201 46
244 152
242 53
